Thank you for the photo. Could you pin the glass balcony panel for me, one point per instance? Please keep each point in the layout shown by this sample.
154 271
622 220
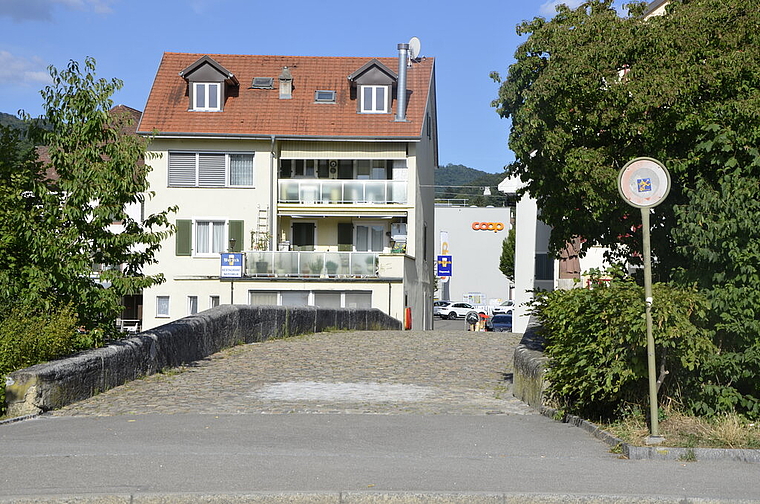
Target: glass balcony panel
305 264
310 191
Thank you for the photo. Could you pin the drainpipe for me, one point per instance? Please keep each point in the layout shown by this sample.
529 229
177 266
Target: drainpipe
273 190
403 50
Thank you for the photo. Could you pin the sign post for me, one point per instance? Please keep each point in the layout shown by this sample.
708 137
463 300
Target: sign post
645 183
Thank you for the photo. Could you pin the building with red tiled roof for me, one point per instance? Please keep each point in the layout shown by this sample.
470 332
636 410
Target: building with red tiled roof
318 170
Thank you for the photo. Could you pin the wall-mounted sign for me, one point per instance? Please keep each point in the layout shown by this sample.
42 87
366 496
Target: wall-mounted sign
232 265
488 226
444 265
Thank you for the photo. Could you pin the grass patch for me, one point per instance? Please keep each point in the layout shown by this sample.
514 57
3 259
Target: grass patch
685 431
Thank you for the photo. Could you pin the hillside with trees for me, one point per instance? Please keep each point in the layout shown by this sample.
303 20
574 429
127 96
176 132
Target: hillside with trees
462 185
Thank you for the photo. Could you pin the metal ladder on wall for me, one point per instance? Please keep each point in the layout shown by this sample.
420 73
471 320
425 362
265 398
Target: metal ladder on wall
262 228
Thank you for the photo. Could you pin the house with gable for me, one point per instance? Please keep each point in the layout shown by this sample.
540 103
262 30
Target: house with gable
318 170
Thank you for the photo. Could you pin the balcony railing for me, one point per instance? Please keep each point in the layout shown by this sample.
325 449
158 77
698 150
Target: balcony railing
329 191
303 264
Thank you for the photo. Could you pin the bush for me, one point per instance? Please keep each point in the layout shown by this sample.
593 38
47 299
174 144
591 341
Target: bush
29 336
596 343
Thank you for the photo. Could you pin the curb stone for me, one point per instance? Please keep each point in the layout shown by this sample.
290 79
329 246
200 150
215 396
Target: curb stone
656 452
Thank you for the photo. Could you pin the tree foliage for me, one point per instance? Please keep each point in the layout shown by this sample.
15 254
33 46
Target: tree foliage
591 90
55 221
507 258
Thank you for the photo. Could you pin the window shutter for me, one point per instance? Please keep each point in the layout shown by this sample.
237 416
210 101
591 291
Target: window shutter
181 169
236 231
184 237
345 236
211 170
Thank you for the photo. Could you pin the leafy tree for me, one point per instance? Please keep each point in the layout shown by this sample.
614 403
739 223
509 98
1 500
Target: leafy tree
507 259
54 228
591 90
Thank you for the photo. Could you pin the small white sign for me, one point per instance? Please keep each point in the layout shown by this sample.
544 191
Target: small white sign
644 182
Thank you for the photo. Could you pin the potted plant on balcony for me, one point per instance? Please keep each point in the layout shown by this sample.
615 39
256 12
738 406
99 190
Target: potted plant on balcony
332 268
316 266
260 241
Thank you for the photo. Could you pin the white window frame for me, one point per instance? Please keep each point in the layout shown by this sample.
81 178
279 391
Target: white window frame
227 170
373 90
192 305
160 314
214 301
215 220
203 89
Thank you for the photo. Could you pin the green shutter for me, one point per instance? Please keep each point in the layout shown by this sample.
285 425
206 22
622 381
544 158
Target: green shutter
184 237
235 231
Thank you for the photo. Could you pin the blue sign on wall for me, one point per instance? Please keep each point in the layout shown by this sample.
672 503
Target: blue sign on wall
232 265
444 265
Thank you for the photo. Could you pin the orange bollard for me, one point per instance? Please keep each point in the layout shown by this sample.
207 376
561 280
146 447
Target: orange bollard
408 319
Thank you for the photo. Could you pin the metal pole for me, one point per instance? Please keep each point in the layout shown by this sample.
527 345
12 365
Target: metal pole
651 364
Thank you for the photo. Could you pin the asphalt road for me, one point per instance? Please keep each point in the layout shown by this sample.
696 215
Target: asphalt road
343 417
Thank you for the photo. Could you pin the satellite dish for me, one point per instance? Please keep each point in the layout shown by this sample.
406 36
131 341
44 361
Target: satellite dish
414 48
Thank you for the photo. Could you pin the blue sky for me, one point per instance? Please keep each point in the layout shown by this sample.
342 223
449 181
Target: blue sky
469 39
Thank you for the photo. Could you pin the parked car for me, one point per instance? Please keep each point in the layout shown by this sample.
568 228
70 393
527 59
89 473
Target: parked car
504 307
438 306
501 322
455 310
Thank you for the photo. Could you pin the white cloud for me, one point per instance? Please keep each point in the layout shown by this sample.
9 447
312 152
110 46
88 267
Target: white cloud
17 70
549 8
42 10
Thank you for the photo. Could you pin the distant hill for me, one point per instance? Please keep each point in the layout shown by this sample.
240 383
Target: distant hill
11 120
464 185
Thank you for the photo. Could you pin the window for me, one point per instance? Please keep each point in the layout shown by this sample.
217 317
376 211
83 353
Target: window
374 99
324 96
544 267
207 96
303 235
262 298
192 305
213 301
210 237
207 237
370 238
209 169
162 306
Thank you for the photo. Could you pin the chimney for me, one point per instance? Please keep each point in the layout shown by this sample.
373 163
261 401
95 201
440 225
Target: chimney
286 84
403 51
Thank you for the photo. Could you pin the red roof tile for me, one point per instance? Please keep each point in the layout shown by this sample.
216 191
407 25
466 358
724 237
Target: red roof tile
262 112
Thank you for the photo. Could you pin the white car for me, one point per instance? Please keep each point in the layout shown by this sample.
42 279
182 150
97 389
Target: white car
455 310
438 306
505 307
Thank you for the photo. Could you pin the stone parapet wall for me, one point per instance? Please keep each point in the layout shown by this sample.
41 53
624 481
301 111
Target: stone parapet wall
55 384
530 367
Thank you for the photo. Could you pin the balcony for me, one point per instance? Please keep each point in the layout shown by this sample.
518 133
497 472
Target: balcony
302 264
330 191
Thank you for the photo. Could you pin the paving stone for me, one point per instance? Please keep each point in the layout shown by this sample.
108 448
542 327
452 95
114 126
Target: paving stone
357 372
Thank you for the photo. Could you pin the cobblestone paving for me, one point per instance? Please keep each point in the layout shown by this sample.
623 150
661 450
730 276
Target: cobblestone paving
376 372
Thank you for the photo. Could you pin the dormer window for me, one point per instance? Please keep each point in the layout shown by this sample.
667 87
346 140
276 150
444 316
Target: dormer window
207 96
208 83
374 99
373 86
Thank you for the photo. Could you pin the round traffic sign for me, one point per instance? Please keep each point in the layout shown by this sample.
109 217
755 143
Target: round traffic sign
644 182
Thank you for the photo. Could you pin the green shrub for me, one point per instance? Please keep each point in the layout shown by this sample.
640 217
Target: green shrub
29 336
596 342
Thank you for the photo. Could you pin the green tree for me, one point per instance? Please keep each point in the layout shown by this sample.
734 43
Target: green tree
54 228
591 90
507 259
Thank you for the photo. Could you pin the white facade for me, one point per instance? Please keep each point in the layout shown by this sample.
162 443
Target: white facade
473 237
336 212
